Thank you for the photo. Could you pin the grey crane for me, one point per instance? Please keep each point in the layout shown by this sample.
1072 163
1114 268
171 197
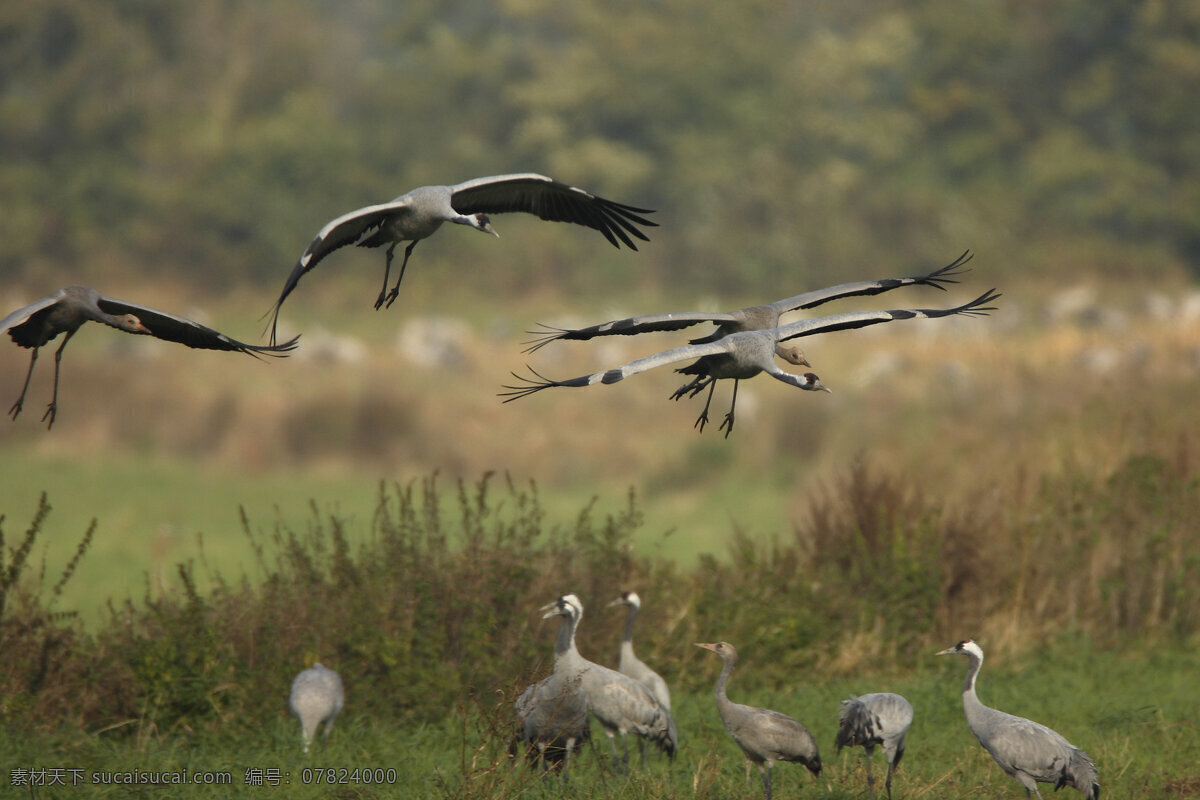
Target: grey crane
418 214
619 703
745 354
765 736
751 318
553 712
66 310
880 718
317 696
628 663
1027 751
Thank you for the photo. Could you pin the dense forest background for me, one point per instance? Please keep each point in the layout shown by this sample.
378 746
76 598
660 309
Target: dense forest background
206 142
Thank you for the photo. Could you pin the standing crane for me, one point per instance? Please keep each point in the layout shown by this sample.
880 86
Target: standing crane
553 711
317 696
629 664
745 354
881 718
1027 751
751 318
418 214
66 310
619 703
765 736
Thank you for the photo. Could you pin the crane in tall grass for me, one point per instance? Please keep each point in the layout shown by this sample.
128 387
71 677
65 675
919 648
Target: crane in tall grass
317 697
1026 750
880 718
552 713
765 736
619 703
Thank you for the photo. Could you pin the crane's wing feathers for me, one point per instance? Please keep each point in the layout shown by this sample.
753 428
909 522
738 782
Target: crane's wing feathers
684 353
172 328
861 319
553 201
22 315
645 323
936 279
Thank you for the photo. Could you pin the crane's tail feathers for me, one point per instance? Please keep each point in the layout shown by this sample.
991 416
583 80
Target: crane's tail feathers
944 275
1080 772
856 726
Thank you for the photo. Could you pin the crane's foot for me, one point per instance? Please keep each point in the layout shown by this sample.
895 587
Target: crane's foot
727 425
392 295
701 421
379 301
51 413
15 411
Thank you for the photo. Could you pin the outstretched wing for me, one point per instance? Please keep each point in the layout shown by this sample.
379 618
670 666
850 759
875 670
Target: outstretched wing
862 319
645 323
553 201
684 353
350 228
818 297
185 331
22 315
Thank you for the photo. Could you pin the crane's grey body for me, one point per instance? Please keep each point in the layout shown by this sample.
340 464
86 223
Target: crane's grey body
66 310
317 697
619 703
418 214
1026 750
765 736
628 663
747 353
751 318
880 718
553 711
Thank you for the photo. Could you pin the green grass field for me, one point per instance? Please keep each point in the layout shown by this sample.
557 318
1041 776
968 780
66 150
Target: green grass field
1135 713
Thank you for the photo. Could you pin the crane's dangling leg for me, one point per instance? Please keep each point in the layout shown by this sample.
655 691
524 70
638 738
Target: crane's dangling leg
728 421
702 420
52 409
387 271
766 773
17 406
391 298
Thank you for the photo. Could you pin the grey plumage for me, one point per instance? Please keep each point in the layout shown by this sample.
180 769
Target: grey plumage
619 703
553 712
628 663
751 318
66 310
765 736
317 696
1026 750
880 718
746 353
419 213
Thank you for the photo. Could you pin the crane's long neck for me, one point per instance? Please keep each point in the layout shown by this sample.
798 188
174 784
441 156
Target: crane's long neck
627 636
722 680
972 707
564 647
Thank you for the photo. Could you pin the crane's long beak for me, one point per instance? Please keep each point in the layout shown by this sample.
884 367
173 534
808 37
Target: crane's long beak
707 645
949 651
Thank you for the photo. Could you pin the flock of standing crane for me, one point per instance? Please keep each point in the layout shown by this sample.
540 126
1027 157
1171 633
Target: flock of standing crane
554 714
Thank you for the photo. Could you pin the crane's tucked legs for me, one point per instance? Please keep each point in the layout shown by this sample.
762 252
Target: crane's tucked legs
17 406
392 295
